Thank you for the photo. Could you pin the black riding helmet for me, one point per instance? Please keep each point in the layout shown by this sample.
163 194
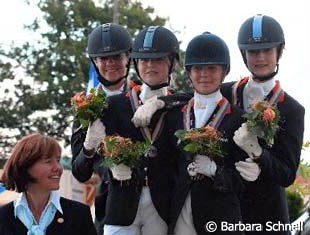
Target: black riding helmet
108 40
261 32
155 42
207 48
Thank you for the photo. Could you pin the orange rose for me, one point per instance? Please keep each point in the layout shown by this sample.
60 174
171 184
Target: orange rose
268 115
78 97
87 108
82 104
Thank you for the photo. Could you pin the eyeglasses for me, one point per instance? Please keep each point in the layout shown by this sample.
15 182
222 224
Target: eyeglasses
112 57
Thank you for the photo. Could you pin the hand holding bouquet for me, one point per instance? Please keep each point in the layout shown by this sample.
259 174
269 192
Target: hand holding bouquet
88 108
202 141
118 150
263 121
204 145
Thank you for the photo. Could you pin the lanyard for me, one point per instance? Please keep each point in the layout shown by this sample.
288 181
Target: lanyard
146 132
224 107
277 92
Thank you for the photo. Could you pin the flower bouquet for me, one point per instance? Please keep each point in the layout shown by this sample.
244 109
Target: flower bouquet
263 121
119 150
87 108
201 141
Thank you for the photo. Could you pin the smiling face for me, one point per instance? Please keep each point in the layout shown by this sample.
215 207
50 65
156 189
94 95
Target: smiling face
154 71
46 172
112 67
206 78
262 62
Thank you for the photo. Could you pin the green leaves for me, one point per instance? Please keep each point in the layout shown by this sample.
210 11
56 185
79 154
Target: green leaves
192 147
88 108
180 134
263 121
57 64
117 150
204 141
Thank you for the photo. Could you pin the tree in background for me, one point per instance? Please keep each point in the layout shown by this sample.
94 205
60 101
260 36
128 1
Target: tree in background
181 80
55 66
298 194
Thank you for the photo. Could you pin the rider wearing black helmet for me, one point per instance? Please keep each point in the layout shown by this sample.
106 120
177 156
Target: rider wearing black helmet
108 48
269 169
207 187
141 205
155 43
261 33
207 48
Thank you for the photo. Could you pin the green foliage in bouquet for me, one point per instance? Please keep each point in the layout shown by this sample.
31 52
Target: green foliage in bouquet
204 141
87 108
263 121
117 150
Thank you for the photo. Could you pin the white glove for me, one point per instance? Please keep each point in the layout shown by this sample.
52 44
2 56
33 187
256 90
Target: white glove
145 112
204 165
247 141
95 132
248 169
121 172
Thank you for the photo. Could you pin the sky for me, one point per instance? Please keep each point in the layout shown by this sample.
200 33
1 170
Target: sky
221 17
224 18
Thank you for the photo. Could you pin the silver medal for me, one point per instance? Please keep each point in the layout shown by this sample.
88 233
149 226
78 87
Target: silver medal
152 152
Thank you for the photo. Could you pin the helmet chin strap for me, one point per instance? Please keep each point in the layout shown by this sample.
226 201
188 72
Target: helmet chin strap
106 82
266 77
158 86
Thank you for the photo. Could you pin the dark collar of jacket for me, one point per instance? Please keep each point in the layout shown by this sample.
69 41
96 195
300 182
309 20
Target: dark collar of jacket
68 223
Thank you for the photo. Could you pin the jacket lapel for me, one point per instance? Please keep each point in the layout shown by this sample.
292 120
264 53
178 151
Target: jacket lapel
13 225
58 225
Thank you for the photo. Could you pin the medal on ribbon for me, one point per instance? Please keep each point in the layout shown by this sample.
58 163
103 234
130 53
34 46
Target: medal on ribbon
149 136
